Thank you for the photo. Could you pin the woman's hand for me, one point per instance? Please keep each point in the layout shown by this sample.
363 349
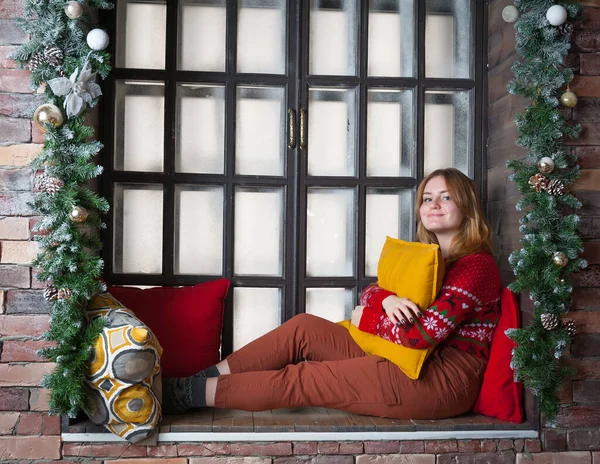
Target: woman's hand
401 310
356 315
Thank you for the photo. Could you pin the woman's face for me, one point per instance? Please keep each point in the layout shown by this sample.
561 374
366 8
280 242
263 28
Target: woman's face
439 213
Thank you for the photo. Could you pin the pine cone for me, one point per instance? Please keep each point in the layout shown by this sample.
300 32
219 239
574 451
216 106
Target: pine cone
569 325
35 61
555 187
53 185
549 321
64 294
39 183
538 182
565 29
50 292
53 55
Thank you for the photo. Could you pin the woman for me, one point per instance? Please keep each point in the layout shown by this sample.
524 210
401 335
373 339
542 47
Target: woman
336 373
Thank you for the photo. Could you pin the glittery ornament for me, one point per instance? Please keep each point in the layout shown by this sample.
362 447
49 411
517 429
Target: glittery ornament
73 10
64 294
48 113
78 214
556 187
556 15
510 13
560 259
50 292
549 321
568 99
569 325
97 39
53 55
538 182
546 165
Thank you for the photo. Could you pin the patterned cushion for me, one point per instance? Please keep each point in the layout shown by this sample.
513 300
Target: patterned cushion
124 372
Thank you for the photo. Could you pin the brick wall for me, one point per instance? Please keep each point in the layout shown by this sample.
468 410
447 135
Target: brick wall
578 422
28 433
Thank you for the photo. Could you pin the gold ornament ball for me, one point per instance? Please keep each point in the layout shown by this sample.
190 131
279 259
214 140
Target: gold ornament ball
73 10
78 214
568 99
546 165
48 113
560 259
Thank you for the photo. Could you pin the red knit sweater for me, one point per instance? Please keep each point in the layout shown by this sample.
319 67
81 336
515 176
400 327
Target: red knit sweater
463 315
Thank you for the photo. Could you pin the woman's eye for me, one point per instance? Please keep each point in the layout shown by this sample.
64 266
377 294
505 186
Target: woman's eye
446 198
425 200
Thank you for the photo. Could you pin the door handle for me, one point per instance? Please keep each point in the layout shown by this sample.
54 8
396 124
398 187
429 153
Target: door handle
302 129
291 128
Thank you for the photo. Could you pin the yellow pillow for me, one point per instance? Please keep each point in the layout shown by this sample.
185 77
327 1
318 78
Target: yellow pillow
411 270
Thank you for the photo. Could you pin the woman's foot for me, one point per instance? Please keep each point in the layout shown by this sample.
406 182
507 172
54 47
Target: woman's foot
182 393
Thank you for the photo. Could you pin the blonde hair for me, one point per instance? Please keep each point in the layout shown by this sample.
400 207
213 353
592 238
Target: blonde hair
475 233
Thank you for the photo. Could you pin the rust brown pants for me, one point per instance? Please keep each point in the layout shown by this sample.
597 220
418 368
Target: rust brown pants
309 361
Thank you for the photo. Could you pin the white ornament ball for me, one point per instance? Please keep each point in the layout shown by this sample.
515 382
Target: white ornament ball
73 10
97 39
510 13
556 15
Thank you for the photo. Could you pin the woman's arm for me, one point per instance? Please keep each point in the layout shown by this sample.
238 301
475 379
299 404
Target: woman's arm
373 296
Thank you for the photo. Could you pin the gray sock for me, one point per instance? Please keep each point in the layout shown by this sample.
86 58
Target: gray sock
183 393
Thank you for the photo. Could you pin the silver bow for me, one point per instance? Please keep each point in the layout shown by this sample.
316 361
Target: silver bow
80 90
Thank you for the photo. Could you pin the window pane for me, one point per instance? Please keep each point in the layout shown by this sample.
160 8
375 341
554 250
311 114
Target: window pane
256 311
199 229
448 39
259 218
261 36
389 212
390 133
333 37
202 35
449 131
332 129
200 139
260 131
139 126
333 304
138 228
391 38
141 32
330 222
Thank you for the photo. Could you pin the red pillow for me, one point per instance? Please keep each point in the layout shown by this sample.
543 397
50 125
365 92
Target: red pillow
187 321
500 395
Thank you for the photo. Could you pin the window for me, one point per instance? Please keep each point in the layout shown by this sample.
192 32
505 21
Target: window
277 143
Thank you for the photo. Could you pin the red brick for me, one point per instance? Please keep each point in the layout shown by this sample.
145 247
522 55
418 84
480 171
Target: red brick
2 298
565 393
352 447
589 277
586 368
586 392
591 19
11 9
14 399
533 446
397 459
24 326
50 425
589 64
14 228
583 439
12 448
586 345
150 461
579 416
328 447
5 61
586 298
471 446
591 252
488 446
37 135
23 351
205 449
305 447
77 449
230 460
8 422
15 276
572 457
162 450
19 154
24 374
261 449
554 440
586 41
109 450
504 457
39 399
586 86
412 446
18 251
586 321
15 81
596 457
382 447
505 445
441 446
30 423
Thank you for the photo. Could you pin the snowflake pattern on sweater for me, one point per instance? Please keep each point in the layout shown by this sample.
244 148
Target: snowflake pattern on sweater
463 315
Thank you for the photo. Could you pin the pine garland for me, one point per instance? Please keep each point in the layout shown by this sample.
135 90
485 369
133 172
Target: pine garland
68 260
550 245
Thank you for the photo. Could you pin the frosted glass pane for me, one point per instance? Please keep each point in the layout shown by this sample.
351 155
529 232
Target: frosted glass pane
144 27
139 126
199 230
200 139
259 216
391 38
260 131
332 132
449 131
448 38
390 133
256 311
261 37
202 36
333 304
330 222
138 229
389 212
333 37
